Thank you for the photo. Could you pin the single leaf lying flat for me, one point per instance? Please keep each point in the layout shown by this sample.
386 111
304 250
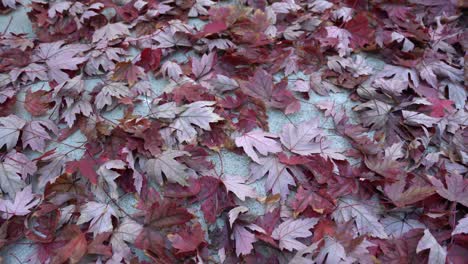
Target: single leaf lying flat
279 178
10 128
100 216
198 114
462 227
262 141
364 215
289 231
10 181
166 164
244 240
437 254
300 138
111 32
236 184
457 188
22 204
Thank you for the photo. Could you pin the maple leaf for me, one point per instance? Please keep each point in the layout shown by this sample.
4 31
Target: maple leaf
58 7
166 214
397 225
332 251
401 197
236 184
100 216
127 71
38 103
235 212
437 253
170 38
35 134
23 202
188 240
430 70
10 128
200 114
261 86
111 32
50 172
415 118
303 139
20 163
213 197
58 57
262 141
108 91
364 215
10 3
343 39
166 164
171 69
290 230
278 179
202 67
10 181
462 227
378 114
223 83
150 59
388 165
74 248
127 232
456 188
167 110
74 108
244 240
199 8
318 200
108 177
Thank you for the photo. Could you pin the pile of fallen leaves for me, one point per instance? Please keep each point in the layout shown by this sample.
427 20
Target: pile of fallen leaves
84 126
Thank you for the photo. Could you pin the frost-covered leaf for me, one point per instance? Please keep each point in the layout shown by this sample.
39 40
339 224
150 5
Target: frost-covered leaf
74 108
100 216
165 164
171 38
111 90
108 176
10 181
21 205
127 232
457 187
415 118
462 227
244 240
279 178
235 212
36 133
10 128
259 140
437 253
364 215
290 230
303 138
111 32
171 69
332 252
200 8
202 67
343 39
236 184
198 114
59 57
397 225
